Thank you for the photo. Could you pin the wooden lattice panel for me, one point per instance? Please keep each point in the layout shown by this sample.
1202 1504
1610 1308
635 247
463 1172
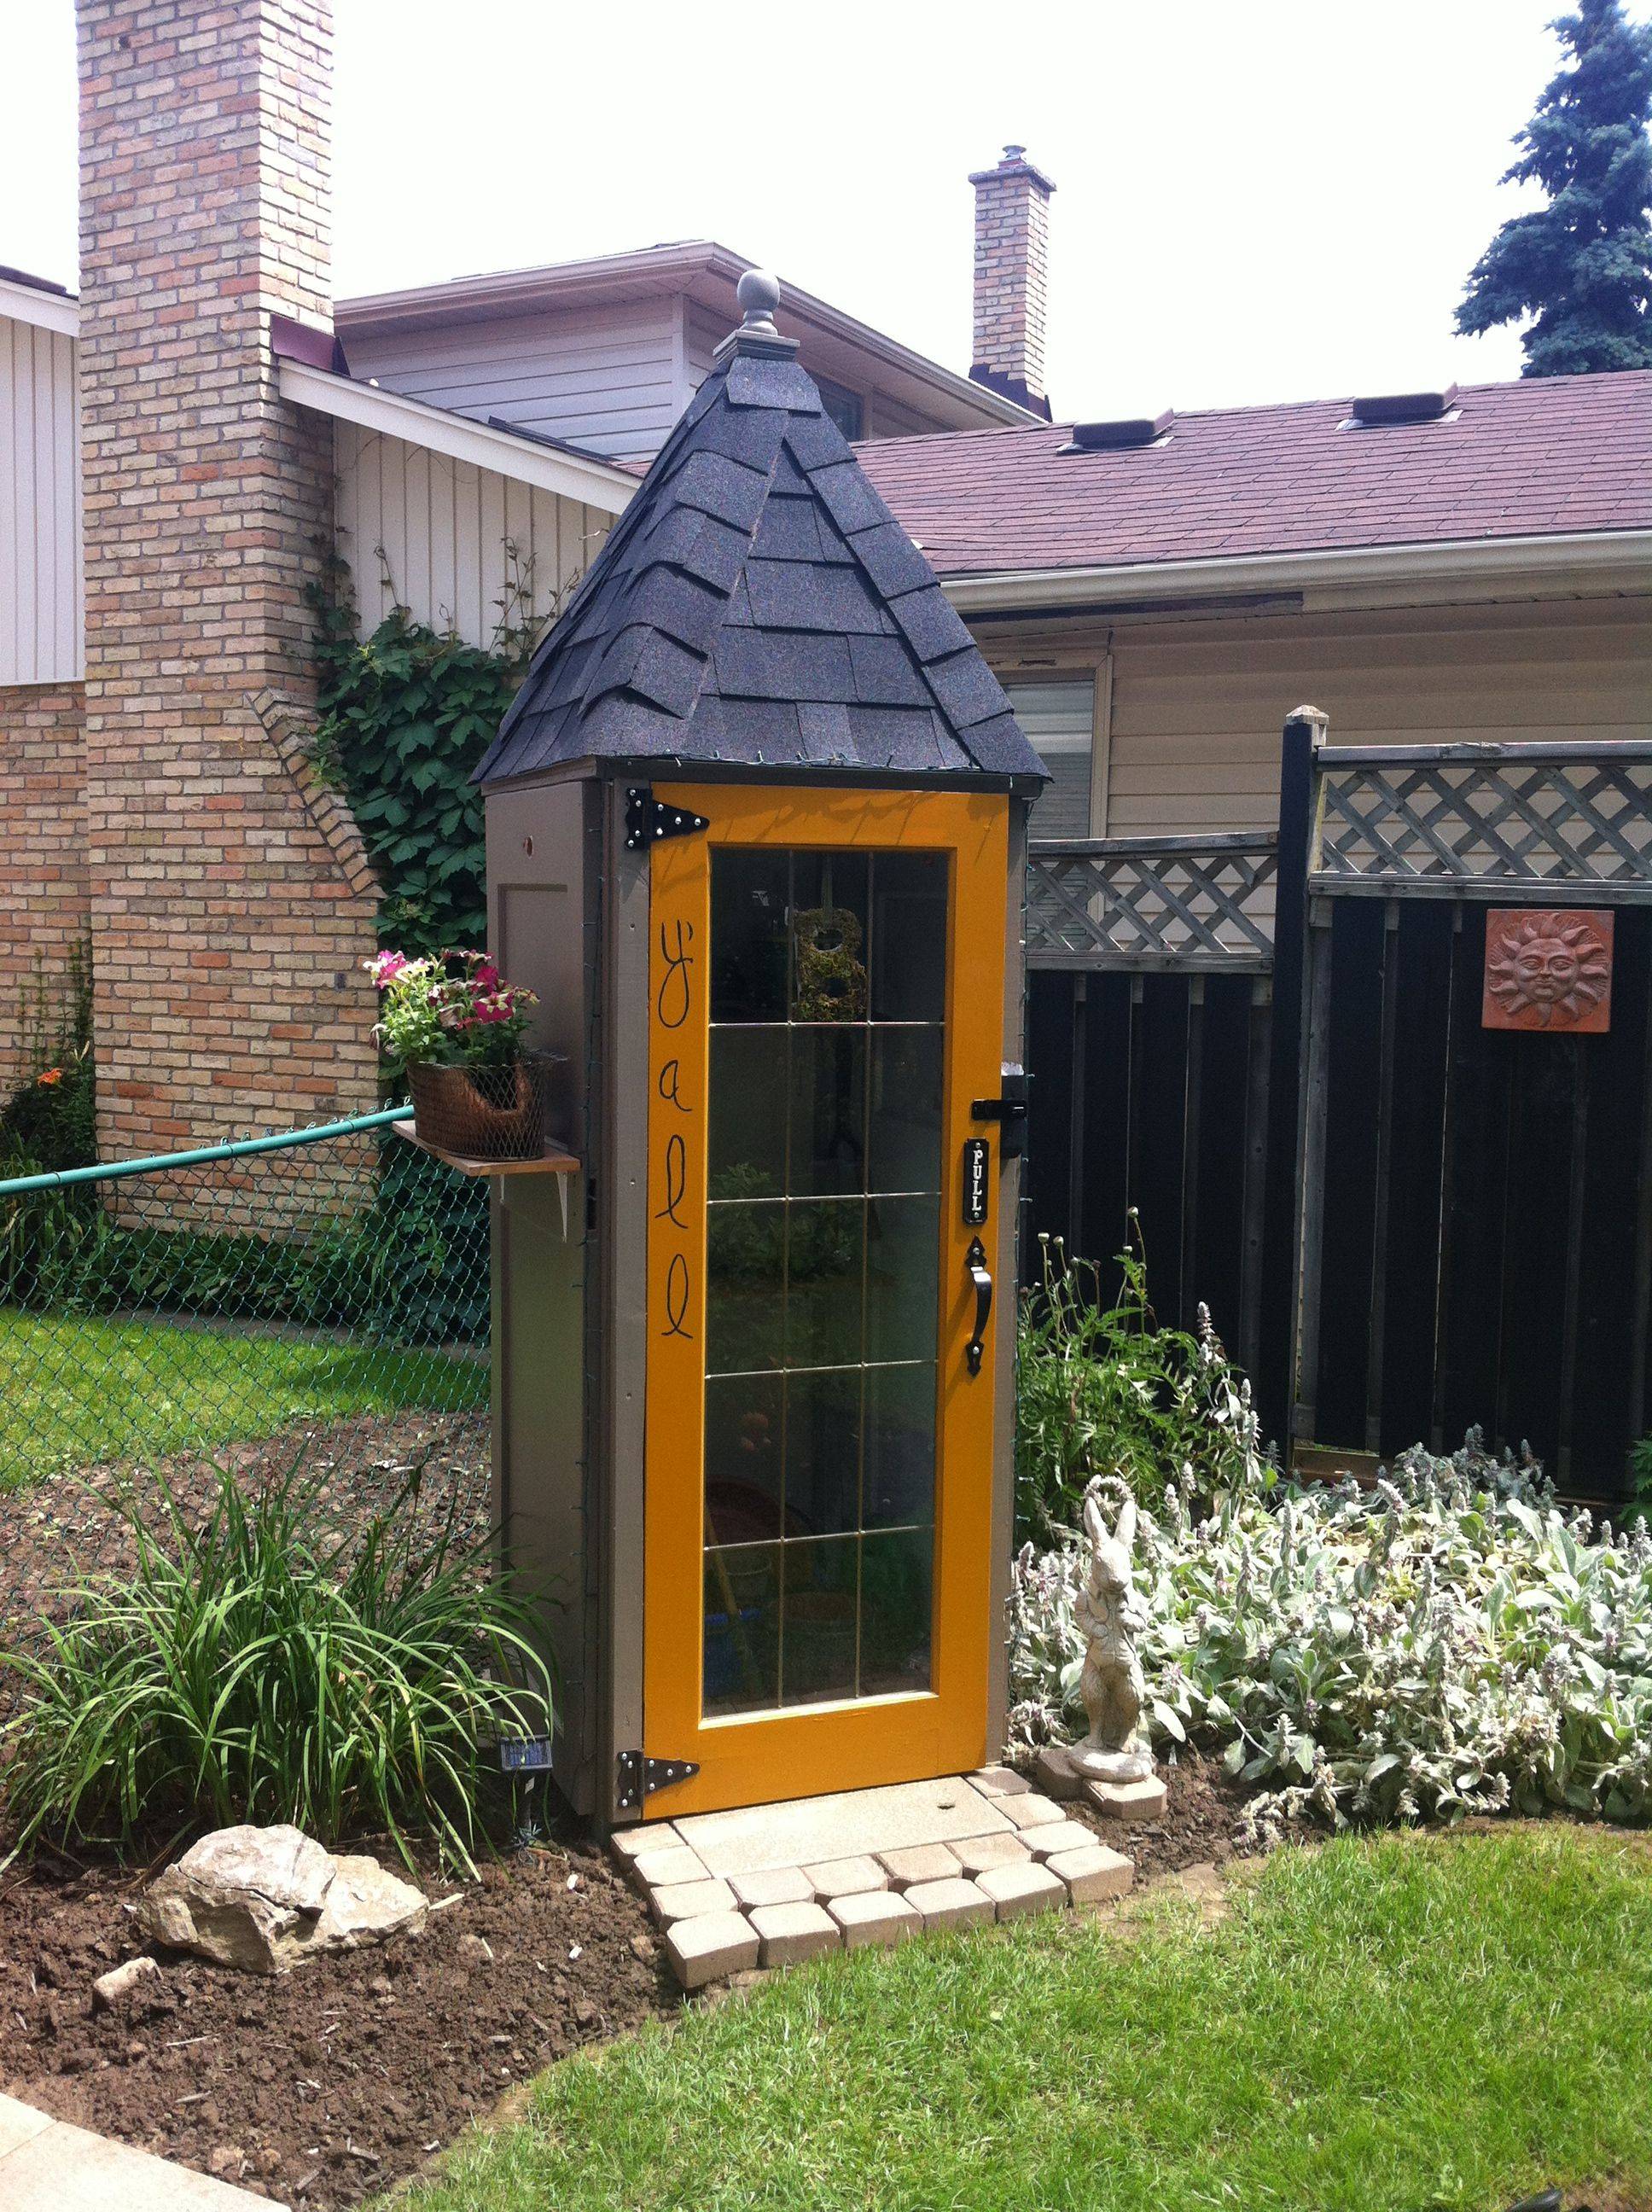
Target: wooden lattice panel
1534 816
1145 902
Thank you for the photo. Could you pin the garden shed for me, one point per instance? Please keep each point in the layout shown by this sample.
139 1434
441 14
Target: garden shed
755 831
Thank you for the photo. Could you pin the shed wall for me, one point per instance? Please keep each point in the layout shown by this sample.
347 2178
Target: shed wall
542 888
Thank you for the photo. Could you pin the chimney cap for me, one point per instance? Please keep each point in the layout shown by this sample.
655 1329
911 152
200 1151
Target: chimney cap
1013 163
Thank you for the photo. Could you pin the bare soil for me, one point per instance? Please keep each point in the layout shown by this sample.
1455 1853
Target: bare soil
1200 1826
320 2086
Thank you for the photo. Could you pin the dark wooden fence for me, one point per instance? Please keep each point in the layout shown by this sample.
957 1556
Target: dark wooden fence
1150 981
1271 1046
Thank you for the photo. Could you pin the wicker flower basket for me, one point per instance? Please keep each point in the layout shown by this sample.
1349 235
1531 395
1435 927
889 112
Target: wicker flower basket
480 1113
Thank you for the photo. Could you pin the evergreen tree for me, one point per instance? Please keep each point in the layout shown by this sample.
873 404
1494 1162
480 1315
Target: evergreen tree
1582 266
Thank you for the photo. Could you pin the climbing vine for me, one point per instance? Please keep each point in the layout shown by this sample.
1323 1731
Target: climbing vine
405 715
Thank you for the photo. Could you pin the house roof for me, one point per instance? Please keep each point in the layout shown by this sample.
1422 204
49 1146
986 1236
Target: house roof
1555 456
706 272
757 604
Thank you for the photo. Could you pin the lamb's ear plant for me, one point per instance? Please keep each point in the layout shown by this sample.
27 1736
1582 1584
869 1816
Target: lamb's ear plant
1449 1641
261 1669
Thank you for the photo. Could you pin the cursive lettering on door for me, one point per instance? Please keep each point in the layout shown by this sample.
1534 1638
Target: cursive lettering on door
674 1008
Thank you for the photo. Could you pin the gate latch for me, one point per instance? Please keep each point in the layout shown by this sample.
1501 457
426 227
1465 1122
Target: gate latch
646 821
640 1776
1009 1110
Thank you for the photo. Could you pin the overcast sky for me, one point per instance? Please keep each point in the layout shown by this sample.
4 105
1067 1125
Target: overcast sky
1276 200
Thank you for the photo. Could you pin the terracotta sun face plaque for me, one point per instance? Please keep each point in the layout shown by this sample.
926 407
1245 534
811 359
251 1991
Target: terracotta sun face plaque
1548 967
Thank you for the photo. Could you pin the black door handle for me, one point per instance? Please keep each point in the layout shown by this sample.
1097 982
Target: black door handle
976 1259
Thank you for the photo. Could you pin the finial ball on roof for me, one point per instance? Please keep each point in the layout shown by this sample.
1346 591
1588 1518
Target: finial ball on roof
759 295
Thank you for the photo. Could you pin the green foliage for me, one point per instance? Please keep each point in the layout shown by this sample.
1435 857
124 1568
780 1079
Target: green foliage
1448 1643
49 1122
1446 2022
1108 1391
1640 1469
260 1670
410 1263
405 716
1580 265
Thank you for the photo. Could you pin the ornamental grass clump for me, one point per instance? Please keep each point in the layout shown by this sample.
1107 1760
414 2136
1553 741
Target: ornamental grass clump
1449 1641
261 1669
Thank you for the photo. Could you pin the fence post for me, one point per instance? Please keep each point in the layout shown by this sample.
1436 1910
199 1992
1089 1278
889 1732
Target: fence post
1277 1336
1258 1044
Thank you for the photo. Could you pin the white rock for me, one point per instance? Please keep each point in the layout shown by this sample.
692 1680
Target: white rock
368 1904
260 1899
120 1982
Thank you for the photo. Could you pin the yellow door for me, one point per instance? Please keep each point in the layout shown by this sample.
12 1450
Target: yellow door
827 1002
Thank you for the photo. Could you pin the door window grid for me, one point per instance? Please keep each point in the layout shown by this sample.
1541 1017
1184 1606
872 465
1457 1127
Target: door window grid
845 1548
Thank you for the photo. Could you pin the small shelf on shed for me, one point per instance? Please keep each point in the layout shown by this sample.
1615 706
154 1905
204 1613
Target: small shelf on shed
561 1165
541 1163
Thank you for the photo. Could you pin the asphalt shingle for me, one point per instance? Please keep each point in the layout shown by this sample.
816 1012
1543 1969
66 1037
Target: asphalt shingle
1540 458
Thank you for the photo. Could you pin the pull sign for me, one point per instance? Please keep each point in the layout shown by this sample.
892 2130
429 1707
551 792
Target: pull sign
977 1161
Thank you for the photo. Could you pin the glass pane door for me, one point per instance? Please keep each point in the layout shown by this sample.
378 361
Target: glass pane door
827 975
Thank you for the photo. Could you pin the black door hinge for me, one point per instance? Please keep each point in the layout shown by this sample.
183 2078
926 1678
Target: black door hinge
638 1777
646 821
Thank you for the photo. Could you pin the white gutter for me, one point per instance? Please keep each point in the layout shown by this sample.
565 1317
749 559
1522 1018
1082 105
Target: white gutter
1472 559
568 475
47 311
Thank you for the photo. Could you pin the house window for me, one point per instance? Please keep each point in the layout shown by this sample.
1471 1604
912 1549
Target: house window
845 407
1060 720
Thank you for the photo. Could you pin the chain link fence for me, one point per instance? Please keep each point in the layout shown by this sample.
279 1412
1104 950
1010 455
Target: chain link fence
319 1297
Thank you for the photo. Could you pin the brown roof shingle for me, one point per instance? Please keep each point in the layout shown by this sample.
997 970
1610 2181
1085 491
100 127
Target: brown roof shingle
1540 458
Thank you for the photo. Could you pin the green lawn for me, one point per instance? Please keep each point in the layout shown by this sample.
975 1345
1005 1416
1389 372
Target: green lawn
1390 2027
74 1391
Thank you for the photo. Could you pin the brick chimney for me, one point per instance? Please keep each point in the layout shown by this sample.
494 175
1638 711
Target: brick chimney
1012 219
229 919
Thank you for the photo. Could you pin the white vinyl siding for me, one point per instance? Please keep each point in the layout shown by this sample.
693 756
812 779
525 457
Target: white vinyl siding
609 380
445 539
41 605
1060 720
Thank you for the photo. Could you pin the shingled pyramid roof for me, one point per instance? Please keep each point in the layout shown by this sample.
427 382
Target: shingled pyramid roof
757 605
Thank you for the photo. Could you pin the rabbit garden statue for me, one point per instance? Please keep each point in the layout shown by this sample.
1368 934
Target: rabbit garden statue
1111 1616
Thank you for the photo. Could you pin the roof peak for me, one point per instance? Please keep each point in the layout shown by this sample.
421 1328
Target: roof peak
757 606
